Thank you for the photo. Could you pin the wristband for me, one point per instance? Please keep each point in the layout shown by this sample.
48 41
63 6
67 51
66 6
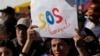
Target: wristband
23 53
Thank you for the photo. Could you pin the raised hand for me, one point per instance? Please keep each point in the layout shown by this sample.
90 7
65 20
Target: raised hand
31 33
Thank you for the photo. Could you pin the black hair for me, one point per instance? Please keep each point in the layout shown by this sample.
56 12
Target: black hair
8 44
96 1
67 40
9 11
9 27
20 26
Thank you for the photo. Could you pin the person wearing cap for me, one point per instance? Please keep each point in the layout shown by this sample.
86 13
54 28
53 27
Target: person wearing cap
8 14
8 17
23 36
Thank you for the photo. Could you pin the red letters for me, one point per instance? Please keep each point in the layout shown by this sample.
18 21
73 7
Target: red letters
60 18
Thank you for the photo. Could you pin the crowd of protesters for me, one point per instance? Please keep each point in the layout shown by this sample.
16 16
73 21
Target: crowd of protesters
18 37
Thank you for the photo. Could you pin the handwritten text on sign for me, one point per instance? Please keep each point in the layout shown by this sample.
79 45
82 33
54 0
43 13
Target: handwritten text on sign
51 20
55 19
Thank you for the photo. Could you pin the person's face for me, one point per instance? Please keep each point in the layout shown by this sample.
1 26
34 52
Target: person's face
4 34
21 33
5 52
93 14
59 47
90 11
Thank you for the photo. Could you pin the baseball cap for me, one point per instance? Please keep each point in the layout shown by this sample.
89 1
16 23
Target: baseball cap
23 21
8 10
91 33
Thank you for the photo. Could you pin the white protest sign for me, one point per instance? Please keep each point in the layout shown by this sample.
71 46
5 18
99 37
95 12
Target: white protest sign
55 18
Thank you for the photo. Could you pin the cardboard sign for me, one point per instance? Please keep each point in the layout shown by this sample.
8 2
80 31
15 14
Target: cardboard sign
55 18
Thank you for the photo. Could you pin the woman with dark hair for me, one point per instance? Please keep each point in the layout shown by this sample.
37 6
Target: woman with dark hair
60 47
63 47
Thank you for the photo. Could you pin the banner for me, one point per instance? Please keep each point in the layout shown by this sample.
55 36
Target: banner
55 18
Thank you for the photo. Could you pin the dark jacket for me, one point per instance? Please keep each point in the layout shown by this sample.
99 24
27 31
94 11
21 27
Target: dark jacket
36 49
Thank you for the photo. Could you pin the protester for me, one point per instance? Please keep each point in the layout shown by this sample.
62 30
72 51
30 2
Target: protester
95 17
8 16
23 38
91 35
7 48
59 47
62 47
28 41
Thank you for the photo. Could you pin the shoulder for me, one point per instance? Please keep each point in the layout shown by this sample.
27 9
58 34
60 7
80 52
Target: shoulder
96 30
14 41
36 49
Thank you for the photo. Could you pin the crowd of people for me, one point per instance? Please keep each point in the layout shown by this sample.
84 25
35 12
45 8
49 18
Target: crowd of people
18 37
